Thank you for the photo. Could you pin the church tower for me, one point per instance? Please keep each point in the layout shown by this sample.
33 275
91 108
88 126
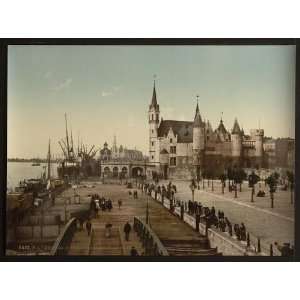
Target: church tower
198 142
153 119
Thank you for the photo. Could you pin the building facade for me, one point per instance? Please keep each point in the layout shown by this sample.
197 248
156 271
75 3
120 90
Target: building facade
120 162
279 153
190 149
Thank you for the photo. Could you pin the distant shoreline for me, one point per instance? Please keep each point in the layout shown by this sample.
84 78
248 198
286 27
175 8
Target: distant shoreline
30 160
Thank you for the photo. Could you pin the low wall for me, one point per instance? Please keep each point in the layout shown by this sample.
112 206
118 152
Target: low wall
34 232
36 220
226 246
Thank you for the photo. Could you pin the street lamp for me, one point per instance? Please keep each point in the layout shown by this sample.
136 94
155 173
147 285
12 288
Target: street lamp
193 191
147 211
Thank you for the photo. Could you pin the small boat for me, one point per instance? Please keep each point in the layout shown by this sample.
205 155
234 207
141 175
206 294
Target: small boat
36 164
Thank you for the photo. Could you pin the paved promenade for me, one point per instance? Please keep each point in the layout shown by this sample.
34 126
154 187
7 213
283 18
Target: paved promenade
261 221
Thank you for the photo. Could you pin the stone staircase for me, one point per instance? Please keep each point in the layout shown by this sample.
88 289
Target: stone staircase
190 247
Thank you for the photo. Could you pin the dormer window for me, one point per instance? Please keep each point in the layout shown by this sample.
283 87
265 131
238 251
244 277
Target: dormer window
171 141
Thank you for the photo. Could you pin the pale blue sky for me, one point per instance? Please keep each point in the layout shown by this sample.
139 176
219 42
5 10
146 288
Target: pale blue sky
106 90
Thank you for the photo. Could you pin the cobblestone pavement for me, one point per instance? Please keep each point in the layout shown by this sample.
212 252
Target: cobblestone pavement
269 224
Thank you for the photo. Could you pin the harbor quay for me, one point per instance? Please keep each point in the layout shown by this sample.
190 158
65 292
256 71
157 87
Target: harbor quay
64 229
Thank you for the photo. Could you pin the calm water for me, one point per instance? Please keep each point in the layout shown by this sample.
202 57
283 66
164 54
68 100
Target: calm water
17 171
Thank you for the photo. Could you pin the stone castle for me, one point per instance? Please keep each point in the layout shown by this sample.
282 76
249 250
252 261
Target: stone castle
186 149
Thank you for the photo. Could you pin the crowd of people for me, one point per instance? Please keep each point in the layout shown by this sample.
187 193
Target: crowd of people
99 203
167 191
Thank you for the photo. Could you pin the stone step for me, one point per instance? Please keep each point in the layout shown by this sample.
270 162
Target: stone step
193 252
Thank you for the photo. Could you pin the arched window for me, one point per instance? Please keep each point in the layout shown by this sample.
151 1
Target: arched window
106 170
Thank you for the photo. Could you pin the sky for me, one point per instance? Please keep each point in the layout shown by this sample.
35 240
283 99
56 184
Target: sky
106 91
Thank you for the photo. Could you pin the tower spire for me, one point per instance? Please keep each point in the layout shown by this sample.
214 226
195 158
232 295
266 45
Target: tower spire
154 98
197 107
198 120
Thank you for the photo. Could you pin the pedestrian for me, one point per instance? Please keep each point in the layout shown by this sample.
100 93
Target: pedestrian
109 205
81 223
133 251
120 203
127 229
88 227
285 249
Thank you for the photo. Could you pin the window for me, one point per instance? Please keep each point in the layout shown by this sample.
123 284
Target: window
173 149
152 143
173 161
152 117
171 140
152 131
152 157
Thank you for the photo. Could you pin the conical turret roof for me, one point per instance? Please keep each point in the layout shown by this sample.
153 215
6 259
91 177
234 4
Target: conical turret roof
236 127
221 127
198 120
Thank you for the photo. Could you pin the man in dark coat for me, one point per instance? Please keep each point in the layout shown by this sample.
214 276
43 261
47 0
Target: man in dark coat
127 229
133 252
88 227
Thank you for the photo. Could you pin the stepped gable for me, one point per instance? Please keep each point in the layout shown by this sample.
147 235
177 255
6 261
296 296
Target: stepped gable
183 130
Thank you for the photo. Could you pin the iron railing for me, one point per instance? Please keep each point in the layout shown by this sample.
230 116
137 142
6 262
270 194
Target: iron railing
150 241
63 241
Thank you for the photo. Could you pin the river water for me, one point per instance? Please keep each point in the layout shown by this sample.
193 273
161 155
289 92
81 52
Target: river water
17 171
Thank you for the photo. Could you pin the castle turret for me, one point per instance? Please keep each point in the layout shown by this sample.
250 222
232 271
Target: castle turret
198 131
198 142
236 139
153 115
258 136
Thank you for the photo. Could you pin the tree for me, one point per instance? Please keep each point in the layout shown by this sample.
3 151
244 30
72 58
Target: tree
272 182
239 177
291 179
253 179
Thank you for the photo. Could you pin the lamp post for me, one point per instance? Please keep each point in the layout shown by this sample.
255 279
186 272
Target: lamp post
147 211
193 191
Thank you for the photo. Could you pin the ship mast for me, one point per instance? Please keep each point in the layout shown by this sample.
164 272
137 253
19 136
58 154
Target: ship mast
73 154
67 137
49 161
